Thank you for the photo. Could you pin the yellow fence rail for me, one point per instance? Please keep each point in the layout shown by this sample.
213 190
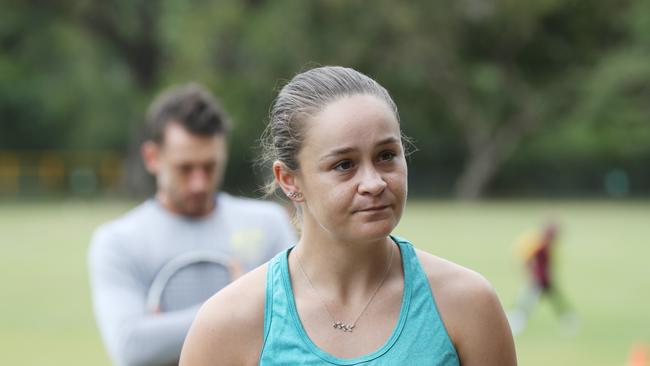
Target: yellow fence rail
51 171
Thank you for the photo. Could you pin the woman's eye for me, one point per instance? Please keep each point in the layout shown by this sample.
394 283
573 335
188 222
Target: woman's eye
343 165
387 155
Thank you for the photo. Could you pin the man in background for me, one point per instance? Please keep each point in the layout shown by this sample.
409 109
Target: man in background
152 268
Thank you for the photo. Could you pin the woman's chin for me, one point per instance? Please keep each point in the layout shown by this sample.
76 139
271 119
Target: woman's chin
374 231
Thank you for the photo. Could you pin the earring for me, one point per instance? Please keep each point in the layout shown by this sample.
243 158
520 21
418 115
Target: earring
294 195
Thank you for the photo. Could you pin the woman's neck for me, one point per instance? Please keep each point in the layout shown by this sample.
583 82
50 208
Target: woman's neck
342 267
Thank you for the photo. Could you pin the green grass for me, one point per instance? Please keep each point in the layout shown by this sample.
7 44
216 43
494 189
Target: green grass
46 313
604 270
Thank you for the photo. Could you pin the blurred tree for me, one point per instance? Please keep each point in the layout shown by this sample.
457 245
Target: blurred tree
57 91
501 68
491 90
607 128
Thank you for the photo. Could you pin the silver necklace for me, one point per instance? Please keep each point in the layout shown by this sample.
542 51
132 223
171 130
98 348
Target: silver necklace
340 325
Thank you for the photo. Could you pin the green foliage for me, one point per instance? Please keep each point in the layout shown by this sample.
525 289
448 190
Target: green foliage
525 81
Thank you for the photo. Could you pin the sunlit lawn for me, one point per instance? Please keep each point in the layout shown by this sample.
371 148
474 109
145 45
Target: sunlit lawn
604 270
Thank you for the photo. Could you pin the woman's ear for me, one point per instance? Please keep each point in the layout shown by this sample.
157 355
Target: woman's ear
288 181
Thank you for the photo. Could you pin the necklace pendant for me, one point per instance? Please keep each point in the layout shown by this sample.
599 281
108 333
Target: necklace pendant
343 326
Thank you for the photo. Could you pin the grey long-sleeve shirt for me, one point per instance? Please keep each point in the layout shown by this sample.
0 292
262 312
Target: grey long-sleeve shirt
126 254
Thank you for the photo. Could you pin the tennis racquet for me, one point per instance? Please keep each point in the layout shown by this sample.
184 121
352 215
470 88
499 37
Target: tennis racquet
190 279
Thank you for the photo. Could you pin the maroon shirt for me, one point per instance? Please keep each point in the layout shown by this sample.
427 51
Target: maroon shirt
540 263
540 266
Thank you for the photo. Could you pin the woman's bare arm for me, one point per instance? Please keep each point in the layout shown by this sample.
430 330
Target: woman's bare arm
484 337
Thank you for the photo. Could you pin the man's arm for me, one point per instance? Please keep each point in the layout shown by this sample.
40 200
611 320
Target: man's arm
132 335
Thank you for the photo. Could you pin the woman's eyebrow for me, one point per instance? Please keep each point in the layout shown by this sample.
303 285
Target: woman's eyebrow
347 150
337 152
387 141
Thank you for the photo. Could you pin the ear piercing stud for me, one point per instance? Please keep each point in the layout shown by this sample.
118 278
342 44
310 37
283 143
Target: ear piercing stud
294 195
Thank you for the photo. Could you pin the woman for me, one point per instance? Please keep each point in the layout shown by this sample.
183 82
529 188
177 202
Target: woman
348 293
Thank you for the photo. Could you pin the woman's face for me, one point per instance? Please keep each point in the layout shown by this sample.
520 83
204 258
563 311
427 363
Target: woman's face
353 173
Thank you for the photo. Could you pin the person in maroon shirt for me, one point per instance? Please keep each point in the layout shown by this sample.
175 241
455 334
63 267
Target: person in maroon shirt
538 260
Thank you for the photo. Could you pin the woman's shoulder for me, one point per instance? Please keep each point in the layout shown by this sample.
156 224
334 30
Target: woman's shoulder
458 291
451 279
229 326
241 302
470 310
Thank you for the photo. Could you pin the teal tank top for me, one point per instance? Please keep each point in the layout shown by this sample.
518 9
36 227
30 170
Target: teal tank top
418 339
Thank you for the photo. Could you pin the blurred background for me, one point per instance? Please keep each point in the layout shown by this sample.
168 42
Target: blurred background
521 111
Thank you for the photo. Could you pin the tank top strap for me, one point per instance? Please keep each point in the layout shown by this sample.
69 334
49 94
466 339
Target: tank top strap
413 272
424 311
274 290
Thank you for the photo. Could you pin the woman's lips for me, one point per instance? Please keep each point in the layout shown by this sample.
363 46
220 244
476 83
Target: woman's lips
373 208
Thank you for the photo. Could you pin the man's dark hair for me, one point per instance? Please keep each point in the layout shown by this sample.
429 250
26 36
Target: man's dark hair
191 106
